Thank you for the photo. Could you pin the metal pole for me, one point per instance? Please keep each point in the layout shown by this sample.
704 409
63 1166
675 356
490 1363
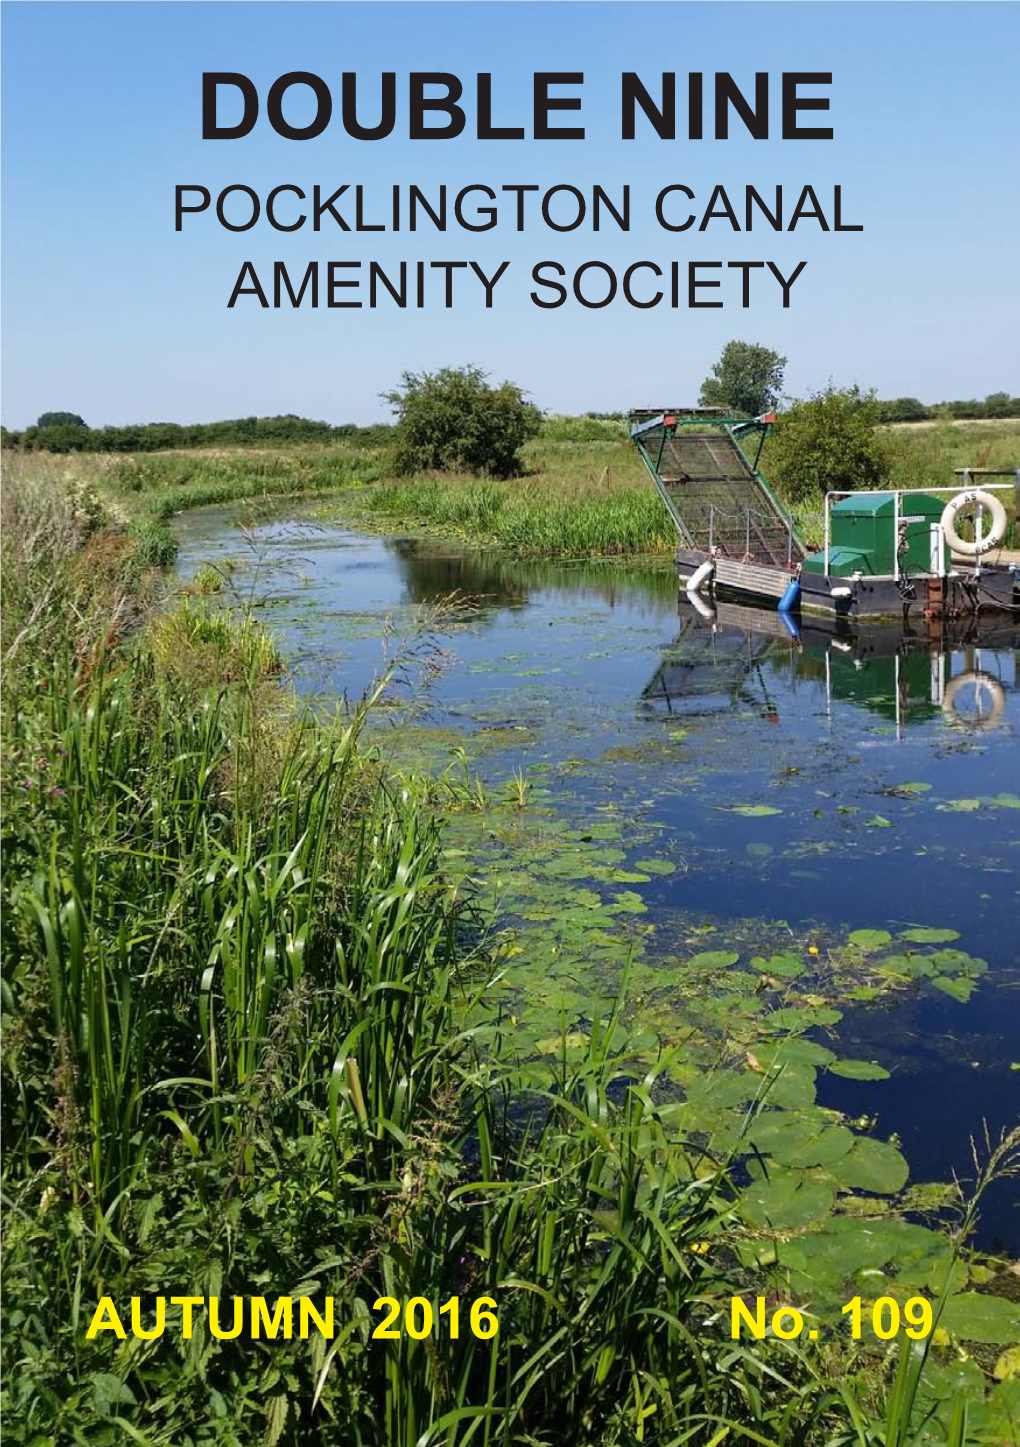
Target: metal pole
896 545
827 496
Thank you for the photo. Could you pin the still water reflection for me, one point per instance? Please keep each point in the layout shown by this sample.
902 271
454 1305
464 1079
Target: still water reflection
831 782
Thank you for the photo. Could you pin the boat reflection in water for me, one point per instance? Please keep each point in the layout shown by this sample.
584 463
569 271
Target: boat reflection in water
963 669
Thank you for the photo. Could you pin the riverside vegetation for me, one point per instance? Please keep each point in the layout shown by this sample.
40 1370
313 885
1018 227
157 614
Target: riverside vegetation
252 1047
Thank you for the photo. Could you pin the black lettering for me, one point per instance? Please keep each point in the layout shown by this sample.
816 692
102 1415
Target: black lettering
270 213
693 283
553 285
800 210
595 305
336 282
210 130
349 107
254 290
727 94
792 103
666 225
419 79
664 120
487 282
486 130
776 221
256 207
838 222
310 276
546 216
626 284
727 211
274 106
489 211
181 209
544 103
745 267
319 206
783 282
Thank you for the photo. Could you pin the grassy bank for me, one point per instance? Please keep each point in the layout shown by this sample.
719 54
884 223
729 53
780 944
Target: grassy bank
583 492
247 1053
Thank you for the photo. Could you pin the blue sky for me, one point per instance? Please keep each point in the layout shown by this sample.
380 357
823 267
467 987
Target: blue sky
111 313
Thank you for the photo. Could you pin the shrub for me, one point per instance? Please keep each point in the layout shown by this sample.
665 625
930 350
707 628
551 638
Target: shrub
827 443
454 419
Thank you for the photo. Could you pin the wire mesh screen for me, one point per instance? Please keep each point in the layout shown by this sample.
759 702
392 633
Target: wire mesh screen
718 497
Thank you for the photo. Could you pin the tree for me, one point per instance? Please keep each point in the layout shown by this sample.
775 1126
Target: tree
825 444
746 378
61 419
453 418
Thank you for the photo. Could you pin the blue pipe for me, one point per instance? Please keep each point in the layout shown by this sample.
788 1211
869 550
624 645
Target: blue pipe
790 600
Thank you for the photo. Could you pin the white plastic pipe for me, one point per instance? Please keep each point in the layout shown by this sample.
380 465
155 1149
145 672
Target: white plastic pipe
700 577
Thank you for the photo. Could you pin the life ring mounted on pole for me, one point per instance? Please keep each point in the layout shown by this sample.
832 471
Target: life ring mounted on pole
970 501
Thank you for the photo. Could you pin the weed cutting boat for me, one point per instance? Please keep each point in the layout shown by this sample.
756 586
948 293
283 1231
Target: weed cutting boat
892 556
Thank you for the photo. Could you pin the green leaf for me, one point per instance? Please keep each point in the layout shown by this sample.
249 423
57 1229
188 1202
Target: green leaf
753 811
655 866
958 989
786 1202
975 1316
912 788
872 1165
714 959
859 1070
927 936
870 939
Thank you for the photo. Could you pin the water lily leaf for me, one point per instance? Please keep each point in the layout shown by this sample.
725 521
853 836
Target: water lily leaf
959 989
555 1043
870 939
1006 801
758 851
821 1149
798 1017
878 821
959 806
859 1070
928 936
714 959
975 1316
786 1202
655 866
911 788
872 1165
753 811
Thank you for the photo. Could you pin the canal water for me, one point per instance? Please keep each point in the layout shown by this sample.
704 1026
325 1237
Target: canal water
854 800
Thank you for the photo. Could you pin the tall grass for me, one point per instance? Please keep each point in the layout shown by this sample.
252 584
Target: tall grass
590 517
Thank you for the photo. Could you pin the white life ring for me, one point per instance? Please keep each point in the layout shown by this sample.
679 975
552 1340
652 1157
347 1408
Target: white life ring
964 501
984 685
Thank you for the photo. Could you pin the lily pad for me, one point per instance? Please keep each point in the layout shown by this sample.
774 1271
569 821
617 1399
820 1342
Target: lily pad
753 811
713 959
975 1316
872 1165
870 939
859 1070
927 936
660 866
786 1202
958 989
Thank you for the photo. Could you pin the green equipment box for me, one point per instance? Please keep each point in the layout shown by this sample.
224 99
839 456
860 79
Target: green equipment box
862 536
